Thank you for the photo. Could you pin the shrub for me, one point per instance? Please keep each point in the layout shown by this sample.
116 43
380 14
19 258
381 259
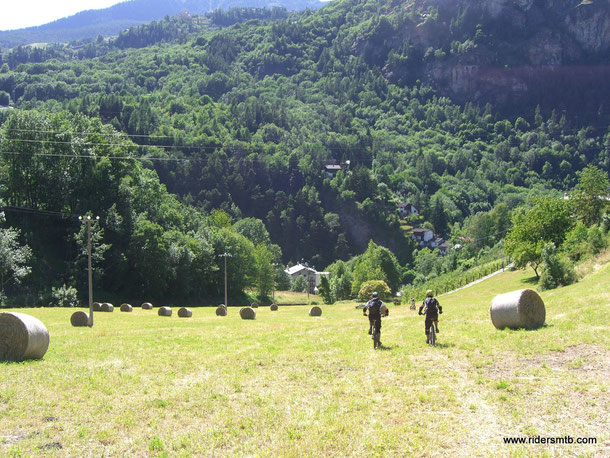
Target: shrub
64 296
596 240
574 244
299 285
556 270
368 287
324 290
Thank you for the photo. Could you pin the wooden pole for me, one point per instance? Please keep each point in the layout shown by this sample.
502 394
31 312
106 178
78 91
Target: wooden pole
90 273
89 267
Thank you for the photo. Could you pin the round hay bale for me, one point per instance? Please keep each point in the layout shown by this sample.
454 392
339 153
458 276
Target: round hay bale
273 307
22 337
126 308
96 306
315 311
165 311
147 306
247 313
185 313
221 310
107 307
254 305
523 308
79 318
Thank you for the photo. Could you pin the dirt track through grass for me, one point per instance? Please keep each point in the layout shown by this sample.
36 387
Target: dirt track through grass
287 384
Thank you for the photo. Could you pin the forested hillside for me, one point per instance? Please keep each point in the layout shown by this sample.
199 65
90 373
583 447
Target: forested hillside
244 118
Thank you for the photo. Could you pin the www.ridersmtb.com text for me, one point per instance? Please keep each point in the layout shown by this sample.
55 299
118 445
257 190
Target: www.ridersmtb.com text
550 440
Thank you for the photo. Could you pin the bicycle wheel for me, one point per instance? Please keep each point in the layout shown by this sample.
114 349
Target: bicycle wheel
376 336
432 336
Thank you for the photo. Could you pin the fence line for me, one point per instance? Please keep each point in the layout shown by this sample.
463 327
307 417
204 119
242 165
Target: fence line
442 285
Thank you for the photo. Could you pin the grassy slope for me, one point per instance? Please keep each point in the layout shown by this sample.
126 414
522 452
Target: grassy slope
290 385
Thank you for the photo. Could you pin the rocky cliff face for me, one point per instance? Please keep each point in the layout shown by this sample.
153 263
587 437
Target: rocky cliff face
589 25
503 51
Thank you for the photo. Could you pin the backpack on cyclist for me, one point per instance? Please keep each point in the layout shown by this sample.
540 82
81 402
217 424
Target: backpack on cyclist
375 307
431 306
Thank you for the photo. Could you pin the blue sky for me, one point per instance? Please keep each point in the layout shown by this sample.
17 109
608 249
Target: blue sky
17 14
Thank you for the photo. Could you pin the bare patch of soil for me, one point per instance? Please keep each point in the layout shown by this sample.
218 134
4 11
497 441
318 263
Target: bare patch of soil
587 360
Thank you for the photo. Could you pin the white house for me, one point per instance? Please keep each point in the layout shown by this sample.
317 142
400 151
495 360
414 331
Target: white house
406 209
425 238
312 276
422 236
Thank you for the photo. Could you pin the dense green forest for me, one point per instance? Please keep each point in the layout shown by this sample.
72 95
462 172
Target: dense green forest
186 135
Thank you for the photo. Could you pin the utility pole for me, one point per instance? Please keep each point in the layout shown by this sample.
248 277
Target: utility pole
274 265
225 255
88 220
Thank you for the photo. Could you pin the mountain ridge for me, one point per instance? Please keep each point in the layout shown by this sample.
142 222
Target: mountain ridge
117 18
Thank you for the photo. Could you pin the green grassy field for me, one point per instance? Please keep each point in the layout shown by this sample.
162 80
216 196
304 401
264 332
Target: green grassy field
287 384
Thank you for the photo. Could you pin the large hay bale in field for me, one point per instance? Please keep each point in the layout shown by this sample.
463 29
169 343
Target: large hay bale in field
247 313
126 308
315 311
107 307
273 307
165 311
96 306
185 313
221 310
254 305
22 337
523 308
147 306
79 319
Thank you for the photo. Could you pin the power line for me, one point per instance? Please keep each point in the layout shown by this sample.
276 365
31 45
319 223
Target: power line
114 134
134 145
30 211
93 156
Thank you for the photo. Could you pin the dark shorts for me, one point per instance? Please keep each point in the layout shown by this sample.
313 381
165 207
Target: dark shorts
375 321
429 320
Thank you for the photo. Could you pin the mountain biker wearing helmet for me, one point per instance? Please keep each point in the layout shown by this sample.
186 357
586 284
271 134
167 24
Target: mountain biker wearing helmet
431 308
376 309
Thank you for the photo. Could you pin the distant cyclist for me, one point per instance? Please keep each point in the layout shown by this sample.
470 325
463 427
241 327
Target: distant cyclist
412 303
376 309
431 308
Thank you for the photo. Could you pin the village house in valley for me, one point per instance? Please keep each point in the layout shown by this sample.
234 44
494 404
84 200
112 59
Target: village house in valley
312 276
406 209
425 238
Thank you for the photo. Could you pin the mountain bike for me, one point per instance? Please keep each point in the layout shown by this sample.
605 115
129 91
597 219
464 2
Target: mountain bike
376 336
432 336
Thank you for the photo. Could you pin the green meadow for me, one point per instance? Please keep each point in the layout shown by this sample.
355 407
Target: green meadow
287 384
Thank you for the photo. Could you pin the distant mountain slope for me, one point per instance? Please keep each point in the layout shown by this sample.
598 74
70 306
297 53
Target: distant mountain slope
111 21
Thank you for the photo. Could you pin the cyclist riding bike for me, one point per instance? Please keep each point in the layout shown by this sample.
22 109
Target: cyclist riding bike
376 309
431 308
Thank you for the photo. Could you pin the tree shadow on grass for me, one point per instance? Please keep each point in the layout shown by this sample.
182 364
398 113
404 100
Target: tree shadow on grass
530 280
